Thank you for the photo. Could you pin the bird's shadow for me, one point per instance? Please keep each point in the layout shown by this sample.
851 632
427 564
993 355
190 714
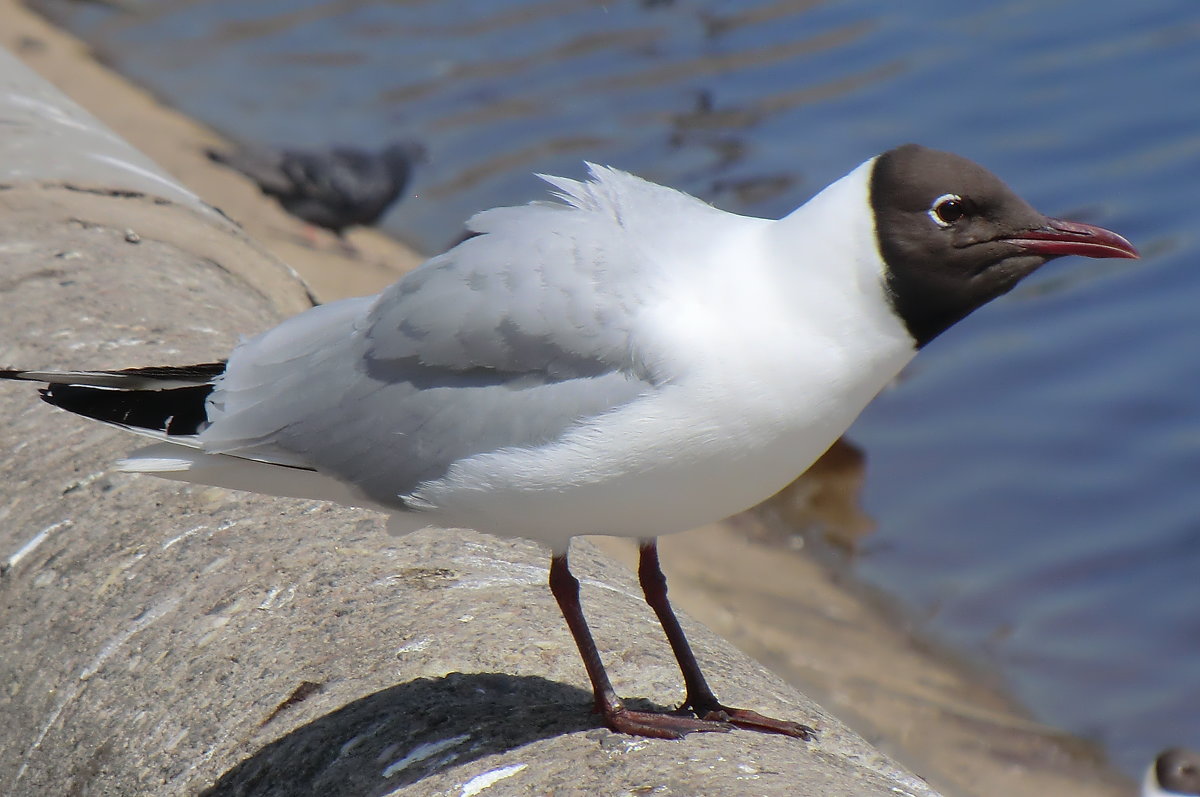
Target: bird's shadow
403 734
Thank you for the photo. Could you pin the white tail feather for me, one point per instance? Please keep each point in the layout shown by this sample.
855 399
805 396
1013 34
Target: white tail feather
170 461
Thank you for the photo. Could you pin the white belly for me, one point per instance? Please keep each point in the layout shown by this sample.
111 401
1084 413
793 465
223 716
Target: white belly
684 456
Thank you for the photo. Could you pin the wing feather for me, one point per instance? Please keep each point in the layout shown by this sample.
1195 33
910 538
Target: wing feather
508 340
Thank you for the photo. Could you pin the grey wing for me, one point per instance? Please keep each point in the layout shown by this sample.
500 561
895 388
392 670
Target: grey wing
548 288
387 437
508 340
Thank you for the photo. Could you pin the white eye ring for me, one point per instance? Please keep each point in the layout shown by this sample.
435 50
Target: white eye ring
933 209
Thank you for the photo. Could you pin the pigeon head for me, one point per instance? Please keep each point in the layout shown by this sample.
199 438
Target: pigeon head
953 236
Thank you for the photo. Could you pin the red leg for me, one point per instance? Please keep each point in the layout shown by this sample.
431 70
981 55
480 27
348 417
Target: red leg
700 697
638 723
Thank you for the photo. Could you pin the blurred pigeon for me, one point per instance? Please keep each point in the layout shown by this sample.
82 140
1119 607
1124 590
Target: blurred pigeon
336 188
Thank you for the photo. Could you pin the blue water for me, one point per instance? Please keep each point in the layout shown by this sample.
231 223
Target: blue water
1034 475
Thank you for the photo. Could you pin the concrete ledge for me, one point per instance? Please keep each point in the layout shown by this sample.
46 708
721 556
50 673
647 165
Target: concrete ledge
49 138
59 164
162 639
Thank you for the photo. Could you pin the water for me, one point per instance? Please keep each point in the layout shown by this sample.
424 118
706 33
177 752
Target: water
1034 475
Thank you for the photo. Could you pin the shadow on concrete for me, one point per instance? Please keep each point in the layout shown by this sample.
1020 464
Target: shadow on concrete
400 735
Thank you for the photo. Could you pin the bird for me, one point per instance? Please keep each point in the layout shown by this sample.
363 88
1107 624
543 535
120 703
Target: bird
620 359
336 189
1173 773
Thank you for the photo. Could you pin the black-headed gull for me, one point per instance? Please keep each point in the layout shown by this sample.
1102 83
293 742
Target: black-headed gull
627 360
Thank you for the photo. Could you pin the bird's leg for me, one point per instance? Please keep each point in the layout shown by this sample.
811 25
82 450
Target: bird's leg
700 697
348 249
618 718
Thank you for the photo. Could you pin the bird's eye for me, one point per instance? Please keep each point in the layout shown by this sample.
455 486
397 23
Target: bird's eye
947 209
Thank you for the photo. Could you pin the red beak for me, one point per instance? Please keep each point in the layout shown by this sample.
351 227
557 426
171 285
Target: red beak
1071 238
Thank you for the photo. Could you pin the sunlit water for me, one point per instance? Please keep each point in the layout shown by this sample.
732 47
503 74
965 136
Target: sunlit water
1034 476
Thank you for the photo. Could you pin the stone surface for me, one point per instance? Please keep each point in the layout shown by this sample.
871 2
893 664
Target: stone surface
49 138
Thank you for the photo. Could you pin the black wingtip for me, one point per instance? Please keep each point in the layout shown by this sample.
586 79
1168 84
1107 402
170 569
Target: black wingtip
166 399
177 411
